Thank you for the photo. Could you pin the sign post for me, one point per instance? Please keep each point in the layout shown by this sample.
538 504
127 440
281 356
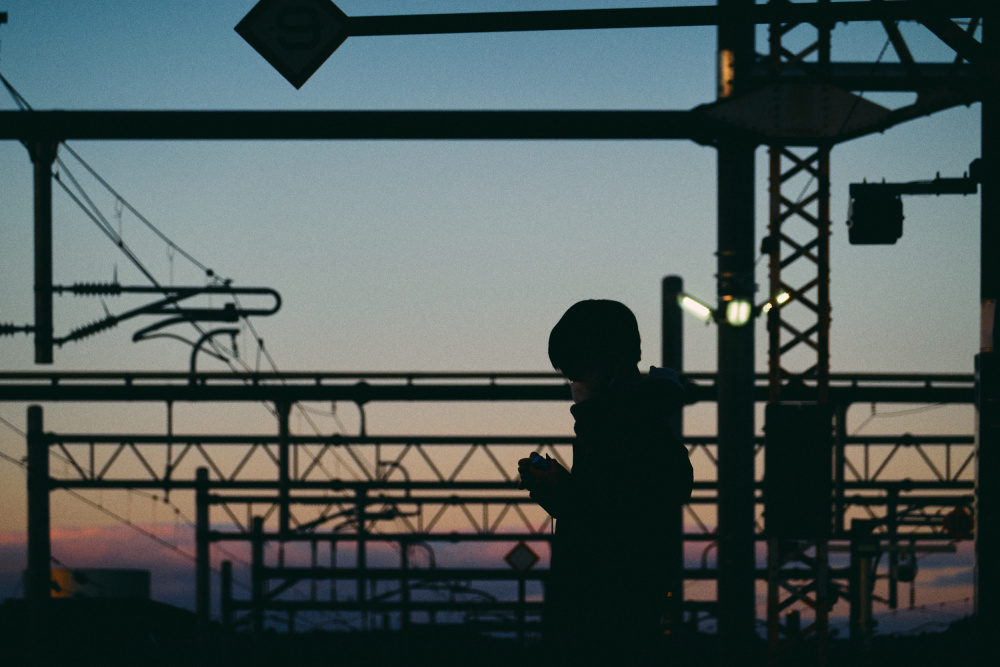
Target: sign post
521 558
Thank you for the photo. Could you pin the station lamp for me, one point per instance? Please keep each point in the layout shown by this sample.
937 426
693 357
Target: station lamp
696 308
779 299
737 311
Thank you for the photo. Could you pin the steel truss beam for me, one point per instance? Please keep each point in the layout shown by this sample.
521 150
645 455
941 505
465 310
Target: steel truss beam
867 458
362 388
106 461
657 17
701 124
410 511
371 598
877 77
340 125
798 245
800 224
36 128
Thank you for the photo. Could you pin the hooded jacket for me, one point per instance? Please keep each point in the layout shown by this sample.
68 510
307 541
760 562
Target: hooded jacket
617 543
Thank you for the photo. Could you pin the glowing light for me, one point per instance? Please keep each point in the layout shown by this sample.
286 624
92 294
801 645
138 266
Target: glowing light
727 72
779 298
695 307
738 312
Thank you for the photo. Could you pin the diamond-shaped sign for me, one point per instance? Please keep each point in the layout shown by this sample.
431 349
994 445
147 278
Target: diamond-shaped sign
521 557
295 36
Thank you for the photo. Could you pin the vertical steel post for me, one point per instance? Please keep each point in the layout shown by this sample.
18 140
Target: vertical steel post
990 199
672 340
226 612
823 268
839 466
807 234
863 550
333 565
168 471
521 601
257 576
361 507
892 533
39 585
226 595
404 585
203 599
43 154
987 489
314 563
672 344
284 463
736 249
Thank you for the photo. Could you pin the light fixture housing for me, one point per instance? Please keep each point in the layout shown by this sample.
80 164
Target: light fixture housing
777 300
696 308
738 312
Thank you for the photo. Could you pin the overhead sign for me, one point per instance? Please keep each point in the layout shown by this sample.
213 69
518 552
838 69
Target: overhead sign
521 557
295 36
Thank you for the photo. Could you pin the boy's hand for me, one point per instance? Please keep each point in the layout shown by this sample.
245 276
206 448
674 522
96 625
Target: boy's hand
534 478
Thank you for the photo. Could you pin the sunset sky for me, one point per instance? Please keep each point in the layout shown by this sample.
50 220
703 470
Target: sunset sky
443 256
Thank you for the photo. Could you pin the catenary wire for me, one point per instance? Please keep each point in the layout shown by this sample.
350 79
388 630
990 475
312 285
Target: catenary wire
895 413
88 206
93 212
208 271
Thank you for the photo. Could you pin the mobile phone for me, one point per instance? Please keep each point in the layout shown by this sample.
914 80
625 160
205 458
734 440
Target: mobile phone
538 461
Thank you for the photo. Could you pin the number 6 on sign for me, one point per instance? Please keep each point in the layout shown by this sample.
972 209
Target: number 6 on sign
295 36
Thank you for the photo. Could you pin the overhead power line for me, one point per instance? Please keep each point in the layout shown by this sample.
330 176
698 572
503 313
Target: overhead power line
208 272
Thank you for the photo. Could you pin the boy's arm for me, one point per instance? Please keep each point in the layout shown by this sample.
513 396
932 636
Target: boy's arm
549 487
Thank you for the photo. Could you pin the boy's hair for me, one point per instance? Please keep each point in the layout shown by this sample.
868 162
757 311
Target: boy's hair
591 333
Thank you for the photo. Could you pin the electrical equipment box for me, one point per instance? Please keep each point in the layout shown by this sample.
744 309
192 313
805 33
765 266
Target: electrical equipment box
798 470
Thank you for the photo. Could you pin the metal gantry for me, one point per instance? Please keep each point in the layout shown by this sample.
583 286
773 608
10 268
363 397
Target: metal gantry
798 246
753 109
345 497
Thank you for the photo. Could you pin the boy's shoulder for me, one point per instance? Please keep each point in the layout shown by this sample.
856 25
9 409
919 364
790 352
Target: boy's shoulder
661 383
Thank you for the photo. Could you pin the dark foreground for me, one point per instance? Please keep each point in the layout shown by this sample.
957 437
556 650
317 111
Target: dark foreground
118 632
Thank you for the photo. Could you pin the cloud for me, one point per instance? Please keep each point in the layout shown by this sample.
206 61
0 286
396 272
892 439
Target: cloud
110 546
957 577
942 577
169 558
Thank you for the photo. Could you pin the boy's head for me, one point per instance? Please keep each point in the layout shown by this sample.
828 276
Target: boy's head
594 334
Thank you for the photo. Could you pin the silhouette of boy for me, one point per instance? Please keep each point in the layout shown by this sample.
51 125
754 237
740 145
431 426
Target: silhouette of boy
617 541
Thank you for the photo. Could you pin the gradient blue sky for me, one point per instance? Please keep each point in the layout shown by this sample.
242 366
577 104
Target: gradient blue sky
449 255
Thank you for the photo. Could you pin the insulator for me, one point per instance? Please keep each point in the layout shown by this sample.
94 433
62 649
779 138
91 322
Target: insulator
92 328
12 329
93 289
